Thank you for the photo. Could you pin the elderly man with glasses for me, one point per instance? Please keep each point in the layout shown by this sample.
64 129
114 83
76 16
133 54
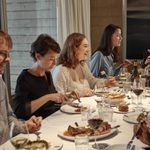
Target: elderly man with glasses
6 114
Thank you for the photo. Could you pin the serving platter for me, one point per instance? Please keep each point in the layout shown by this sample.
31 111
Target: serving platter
91 138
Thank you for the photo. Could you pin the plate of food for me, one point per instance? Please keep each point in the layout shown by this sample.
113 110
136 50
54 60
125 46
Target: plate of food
114 98
70 109
114 95
123 108
43 145
75 108
37 144
69 133
147 92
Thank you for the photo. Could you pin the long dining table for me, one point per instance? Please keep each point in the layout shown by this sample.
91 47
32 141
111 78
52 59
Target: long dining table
59 121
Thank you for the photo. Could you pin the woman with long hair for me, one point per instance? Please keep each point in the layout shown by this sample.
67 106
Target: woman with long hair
72 72
105 60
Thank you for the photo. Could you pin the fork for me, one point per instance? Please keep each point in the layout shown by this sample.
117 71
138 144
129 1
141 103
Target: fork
128 147
38 135
133 147
130 142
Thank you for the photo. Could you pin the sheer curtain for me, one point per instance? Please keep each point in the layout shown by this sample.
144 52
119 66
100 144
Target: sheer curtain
73 16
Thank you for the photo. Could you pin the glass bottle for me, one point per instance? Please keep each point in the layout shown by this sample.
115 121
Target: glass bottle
135 74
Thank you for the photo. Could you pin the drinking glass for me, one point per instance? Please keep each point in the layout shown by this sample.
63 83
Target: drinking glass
21 140
85 111
107 113
82 142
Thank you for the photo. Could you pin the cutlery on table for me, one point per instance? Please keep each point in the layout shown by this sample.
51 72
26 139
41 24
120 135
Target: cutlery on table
38 135
133 147
129 144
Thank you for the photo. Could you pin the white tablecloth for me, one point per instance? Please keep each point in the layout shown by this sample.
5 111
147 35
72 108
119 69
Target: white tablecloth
57 121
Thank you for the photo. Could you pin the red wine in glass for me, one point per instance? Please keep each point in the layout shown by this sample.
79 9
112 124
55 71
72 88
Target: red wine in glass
138 92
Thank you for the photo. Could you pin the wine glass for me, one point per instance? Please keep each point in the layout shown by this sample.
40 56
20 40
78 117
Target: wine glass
137 89
94 121
21 140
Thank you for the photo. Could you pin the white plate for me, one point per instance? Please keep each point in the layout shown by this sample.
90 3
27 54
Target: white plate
71 138
119 147
56 145
147 92
116 110
69 109
131 117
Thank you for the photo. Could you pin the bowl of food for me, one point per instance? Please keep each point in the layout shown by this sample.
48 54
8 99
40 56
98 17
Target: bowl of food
37 144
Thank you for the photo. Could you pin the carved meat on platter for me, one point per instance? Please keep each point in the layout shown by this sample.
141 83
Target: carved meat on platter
104 127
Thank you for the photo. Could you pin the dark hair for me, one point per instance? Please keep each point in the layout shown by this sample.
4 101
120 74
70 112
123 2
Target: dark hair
5 37
105 45
43 44
67 56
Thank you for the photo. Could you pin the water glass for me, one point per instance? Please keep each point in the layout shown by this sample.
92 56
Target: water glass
82 142
127 86
100 110
85 110
107 113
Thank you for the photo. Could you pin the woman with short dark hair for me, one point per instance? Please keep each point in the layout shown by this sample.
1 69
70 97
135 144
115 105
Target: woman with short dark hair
35 93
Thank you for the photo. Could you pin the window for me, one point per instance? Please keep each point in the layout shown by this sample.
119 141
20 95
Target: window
138 23
26 20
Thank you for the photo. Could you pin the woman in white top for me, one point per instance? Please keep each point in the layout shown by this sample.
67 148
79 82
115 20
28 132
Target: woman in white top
72 72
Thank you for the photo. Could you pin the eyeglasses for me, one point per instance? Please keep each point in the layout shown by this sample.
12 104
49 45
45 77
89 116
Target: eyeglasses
4 54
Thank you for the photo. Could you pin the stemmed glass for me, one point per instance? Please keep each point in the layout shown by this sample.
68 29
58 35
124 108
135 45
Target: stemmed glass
21 140
94 121
137 89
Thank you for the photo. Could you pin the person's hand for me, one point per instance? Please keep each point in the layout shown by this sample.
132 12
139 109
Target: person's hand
58 97
33 124
74 95
86 92
127 63
110 81
143 133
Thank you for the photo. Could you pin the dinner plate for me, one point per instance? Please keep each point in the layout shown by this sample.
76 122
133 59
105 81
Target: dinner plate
69 109
119 147
73 110
116 110
91 138
147 92
131 117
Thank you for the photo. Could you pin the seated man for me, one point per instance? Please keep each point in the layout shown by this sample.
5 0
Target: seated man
6 115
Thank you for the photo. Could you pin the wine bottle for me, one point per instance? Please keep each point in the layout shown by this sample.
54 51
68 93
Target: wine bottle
135 74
